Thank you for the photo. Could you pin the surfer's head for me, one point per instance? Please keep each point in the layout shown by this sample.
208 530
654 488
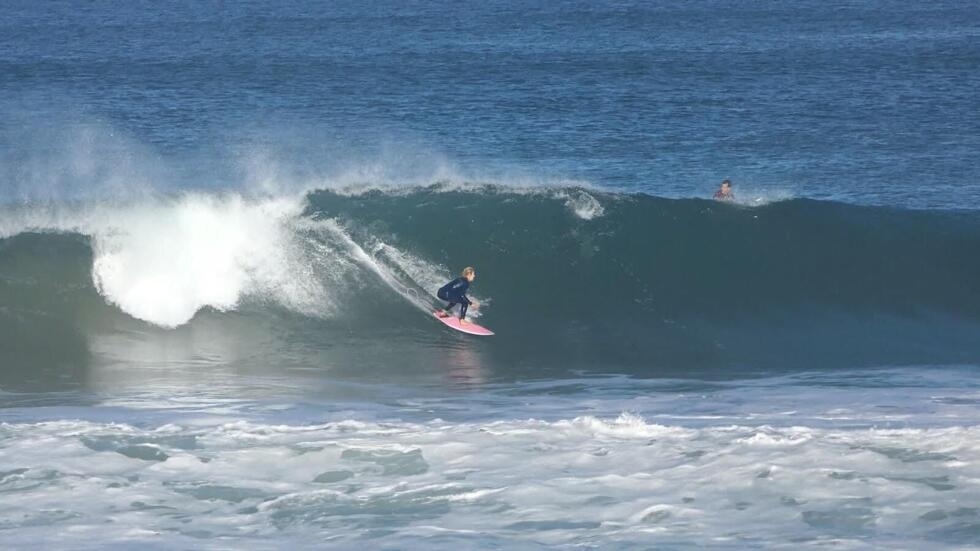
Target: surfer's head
469 273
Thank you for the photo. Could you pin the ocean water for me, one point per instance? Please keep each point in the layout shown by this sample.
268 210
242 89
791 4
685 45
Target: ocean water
222 226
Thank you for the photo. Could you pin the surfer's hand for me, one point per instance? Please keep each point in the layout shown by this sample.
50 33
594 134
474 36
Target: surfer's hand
474 304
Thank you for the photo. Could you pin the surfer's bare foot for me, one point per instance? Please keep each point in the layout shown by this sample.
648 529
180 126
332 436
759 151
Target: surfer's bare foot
463 321
442 313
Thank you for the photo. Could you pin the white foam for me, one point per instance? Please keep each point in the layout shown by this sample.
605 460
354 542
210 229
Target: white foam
752 197
611 481
163 259
583 205
165 262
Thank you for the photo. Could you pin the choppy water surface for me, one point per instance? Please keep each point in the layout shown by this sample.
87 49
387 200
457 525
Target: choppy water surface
221 228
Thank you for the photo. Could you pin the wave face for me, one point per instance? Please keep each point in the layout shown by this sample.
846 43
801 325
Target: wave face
569 278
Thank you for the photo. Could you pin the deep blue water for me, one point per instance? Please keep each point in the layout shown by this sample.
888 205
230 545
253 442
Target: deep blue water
221 224
870 102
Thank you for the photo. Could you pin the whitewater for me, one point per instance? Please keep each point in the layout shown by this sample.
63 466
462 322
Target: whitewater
222 228
706 464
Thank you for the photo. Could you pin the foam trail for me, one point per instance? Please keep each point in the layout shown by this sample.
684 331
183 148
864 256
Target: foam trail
424 274
412 296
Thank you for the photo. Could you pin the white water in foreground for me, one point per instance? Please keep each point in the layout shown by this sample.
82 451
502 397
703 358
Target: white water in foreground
860 468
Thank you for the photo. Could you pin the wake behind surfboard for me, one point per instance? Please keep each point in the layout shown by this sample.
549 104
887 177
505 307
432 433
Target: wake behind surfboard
468 328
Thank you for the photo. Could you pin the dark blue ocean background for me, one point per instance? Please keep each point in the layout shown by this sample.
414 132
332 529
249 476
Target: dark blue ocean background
865 102
222 224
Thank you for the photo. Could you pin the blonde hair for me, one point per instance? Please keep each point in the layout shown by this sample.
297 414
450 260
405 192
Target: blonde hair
467 271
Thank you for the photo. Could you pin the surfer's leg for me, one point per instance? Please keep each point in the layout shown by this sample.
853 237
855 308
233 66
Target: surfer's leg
448 309
462 309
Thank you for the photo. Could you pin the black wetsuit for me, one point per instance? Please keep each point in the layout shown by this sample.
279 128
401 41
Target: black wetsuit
455 293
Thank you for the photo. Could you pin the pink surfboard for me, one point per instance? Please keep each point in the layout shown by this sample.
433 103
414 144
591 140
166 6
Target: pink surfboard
469 328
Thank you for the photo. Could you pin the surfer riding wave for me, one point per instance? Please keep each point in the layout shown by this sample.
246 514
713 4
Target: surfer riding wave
455 293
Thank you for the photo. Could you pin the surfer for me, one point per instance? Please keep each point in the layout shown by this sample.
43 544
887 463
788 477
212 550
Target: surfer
724 192
455 293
